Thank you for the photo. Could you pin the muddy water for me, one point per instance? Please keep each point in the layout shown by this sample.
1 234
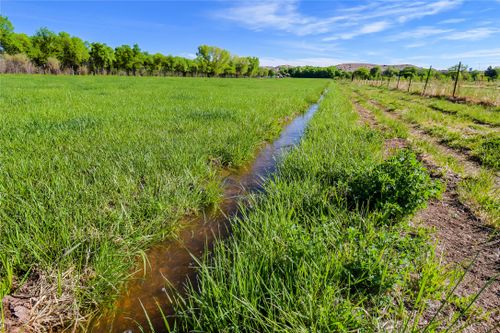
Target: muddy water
171 264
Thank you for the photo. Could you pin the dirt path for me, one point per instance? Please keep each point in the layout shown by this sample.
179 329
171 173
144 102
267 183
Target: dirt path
460 235
471 167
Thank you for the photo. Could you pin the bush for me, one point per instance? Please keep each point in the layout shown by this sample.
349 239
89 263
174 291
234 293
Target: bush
395 188
53 66
17 63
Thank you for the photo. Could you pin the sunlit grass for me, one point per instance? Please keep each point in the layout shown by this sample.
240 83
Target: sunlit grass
95 169
326 248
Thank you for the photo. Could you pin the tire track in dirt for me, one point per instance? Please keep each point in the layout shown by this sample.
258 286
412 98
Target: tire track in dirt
471 166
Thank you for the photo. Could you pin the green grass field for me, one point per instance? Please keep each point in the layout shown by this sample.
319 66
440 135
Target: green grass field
93 170
328 248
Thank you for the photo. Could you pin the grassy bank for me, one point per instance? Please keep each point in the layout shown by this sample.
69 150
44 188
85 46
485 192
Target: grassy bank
95 169
328 247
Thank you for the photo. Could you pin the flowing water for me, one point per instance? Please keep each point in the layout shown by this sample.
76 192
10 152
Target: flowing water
172 261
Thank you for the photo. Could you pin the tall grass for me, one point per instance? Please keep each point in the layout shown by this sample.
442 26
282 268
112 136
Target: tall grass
327 248
95 169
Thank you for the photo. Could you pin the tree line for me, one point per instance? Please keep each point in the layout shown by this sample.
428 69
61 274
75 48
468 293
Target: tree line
49 52
330 72
466 73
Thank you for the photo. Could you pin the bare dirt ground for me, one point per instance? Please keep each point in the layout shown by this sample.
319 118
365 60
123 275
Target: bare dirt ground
461 237
41 304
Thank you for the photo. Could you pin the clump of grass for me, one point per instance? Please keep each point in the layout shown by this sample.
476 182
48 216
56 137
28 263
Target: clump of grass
310 255
481 194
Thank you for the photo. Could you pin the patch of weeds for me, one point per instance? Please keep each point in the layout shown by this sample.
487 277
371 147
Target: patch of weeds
396 187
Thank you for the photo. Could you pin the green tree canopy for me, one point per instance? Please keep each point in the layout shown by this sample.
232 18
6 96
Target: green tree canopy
492 73
72 51
362 73
409 72
213 60
390 72
101 58
45 45
375 72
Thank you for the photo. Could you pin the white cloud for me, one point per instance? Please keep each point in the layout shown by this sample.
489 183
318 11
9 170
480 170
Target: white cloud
419 10
347 23
472 34
445 34
374 27
418 33
485 53
453 21
364 30
415 45
323 62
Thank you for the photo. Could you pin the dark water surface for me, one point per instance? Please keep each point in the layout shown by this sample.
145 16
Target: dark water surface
173 261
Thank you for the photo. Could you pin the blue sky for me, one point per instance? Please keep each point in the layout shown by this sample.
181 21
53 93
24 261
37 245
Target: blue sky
437 32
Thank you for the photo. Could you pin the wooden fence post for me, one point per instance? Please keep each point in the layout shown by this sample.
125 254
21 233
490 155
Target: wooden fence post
388 81
426 80
399 78
409 83
456 79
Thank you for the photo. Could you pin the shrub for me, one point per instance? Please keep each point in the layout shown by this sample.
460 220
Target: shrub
395 188
17 63
53 65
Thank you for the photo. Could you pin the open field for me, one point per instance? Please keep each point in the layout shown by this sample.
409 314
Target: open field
384 218
93 170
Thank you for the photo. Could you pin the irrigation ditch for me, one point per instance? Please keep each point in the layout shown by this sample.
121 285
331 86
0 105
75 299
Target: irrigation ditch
147 301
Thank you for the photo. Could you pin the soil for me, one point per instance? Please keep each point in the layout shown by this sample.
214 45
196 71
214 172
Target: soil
37 305
463 238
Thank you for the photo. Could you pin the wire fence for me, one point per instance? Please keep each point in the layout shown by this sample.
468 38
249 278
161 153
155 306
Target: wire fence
481 92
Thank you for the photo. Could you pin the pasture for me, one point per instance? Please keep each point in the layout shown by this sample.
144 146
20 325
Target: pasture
93 170
381 218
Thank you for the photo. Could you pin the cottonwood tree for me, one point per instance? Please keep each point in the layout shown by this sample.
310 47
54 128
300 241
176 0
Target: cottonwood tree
409 72
213 60
101 58
253 66
389 72
44 46
72 51
11 42
241 65
375 72
492 73
362 73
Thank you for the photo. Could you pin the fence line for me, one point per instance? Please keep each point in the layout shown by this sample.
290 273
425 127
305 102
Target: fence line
475 92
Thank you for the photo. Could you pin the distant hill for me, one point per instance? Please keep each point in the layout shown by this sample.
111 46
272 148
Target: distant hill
351 67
